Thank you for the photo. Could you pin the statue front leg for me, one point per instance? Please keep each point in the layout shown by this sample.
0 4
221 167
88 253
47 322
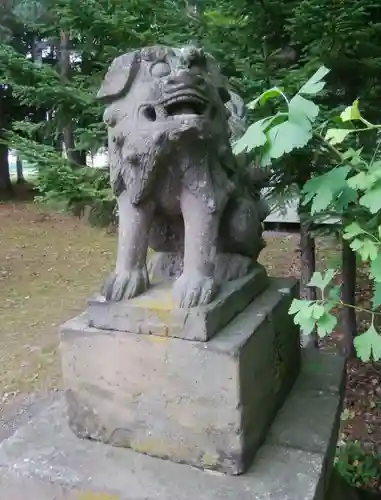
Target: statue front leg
196 286
130 277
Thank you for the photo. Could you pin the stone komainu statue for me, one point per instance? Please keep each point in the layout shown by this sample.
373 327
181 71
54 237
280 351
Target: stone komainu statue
179 187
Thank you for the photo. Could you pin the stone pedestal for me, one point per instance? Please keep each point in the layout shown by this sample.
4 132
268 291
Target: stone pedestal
154 313
46 460
208 404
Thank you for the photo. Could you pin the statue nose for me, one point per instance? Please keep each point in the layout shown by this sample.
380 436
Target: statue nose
184 78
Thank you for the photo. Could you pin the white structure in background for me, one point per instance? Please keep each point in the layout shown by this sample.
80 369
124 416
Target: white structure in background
285 215
99 160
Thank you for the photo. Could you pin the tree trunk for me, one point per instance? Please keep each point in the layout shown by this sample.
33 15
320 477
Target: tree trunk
5 178
348 296
307 268
75 158
19 170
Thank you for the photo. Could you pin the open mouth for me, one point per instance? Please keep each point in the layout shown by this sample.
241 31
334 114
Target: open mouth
185 105
179 106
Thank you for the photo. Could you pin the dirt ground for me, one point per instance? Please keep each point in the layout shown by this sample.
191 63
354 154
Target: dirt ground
51 263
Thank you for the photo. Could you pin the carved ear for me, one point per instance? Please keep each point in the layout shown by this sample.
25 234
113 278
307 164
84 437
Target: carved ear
219 79
120 76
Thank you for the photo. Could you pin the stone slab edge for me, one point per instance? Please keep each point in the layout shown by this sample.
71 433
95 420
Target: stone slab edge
152 312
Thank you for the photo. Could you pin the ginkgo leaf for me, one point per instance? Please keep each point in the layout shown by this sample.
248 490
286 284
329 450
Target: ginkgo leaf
254 137
286 137
372 199
298 304
352 231
375 268
344 198
334 293
302 111
320 281
336 135
326 324
366 248
264 97
307 324
368 345
321 189
351 112
362 180
317 311
302 310
315 84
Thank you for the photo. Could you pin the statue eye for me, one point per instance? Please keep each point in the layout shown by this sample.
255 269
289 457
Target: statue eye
160 69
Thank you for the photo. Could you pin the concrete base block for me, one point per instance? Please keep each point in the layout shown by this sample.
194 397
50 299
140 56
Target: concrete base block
153 312
205 404
44 459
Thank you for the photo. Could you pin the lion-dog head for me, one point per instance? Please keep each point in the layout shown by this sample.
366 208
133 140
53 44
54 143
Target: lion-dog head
164 106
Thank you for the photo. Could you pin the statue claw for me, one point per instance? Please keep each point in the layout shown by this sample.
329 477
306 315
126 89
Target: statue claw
194 290
125 284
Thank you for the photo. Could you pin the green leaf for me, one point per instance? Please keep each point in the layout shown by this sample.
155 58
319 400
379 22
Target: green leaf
379 232
352 231
366 248
297 305
254 137
303 311
286 137
330 304
302 111
307 325
362 181
315 84
265 160
376 299
375 268
368 345
345 198
375 167
317 311
321 189
326 324
336 135
264 97
334 293
320 281
351 112
372 199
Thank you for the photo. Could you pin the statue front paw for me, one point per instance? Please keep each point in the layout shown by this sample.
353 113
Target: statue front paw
194 289
125 284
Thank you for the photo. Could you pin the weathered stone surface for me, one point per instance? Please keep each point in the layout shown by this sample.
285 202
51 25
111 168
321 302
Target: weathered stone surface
316 414
154 312
324 371
22 408
206 404
179 187
14 487
47 458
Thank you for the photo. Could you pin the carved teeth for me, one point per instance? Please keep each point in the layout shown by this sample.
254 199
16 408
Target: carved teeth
185 105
